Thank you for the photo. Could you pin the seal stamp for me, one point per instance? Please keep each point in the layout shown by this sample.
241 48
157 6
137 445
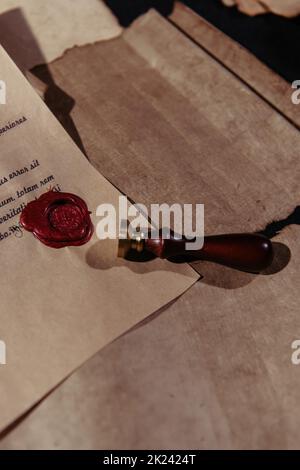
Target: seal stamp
58 219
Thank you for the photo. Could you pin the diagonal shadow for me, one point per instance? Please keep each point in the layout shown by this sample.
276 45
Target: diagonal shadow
60 103
19 42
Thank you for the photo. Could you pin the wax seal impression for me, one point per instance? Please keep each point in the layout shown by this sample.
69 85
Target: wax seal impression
58 219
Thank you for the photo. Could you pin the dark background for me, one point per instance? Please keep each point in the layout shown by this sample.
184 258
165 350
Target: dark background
272 39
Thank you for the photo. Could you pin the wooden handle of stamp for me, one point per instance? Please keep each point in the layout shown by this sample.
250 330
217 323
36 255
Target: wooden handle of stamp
246 251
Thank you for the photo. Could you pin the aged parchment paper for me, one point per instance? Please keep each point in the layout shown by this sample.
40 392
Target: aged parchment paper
215 370
59 307
35 32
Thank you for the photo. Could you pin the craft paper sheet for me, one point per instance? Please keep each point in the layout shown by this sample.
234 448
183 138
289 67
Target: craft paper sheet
35 32
59 307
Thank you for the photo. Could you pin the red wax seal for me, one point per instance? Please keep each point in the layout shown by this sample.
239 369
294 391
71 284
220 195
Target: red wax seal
58 219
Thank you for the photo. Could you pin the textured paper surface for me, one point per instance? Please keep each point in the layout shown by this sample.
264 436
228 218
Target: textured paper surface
214 370
35 32
59 307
